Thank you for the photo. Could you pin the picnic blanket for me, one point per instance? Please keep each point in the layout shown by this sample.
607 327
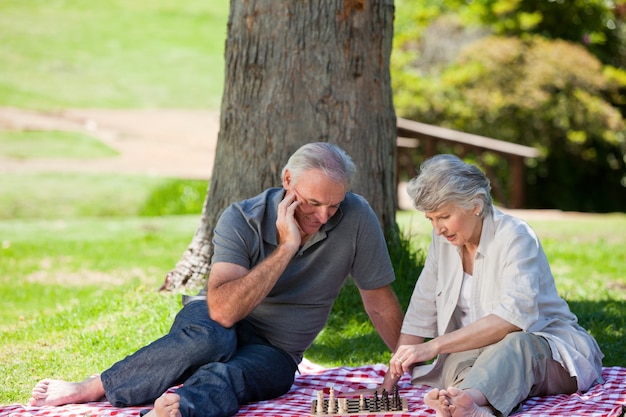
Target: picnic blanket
604 400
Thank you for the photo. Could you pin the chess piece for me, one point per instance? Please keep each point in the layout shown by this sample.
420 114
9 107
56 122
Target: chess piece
385 400
332 407
320 402
343 406
396 399
376 404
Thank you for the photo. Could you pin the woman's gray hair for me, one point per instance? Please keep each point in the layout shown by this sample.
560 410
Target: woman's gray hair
446 179
333 161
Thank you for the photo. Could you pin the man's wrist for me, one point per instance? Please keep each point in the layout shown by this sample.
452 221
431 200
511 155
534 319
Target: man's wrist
287 249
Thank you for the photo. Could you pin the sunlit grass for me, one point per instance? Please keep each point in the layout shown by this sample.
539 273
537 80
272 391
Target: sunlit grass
112 53
55 144
78 299
79 260
66 196
79 292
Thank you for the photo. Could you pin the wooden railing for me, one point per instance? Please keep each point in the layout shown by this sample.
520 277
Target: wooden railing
419 137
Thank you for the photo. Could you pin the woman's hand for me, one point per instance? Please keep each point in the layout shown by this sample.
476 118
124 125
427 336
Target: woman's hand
483 332
407 356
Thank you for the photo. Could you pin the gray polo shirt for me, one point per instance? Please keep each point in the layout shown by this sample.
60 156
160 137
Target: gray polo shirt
351 243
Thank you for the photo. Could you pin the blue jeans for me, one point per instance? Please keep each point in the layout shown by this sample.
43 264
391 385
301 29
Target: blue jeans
220 368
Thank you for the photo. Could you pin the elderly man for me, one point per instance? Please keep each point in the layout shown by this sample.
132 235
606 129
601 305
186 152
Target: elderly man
279 262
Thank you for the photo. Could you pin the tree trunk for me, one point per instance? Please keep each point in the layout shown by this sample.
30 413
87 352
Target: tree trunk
300 71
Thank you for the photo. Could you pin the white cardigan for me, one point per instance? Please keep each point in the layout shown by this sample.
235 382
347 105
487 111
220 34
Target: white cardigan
512 279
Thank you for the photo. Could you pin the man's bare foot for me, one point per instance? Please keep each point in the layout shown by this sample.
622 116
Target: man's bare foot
437 400
462 404
166 405
56 392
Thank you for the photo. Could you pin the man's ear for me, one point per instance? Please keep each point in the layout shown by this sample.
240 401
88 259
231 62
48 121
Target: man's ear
287 180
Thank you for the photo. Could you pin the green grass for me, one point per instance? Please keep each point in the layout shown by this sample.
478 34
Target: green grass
81 294
55 144
81 256
66 196
79 291
112 53
587 256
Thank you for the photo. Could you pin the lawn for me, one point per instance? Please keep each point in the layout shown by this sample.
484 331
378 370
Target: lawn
60 54
79 290
81 256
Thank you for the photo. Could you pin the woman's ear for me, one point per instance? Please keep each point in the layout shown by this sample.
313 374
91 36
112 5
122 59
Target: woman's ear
478 207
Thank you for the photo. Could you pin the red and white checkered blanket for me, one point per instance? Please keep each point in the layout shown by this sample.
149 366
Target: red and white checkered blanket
604 400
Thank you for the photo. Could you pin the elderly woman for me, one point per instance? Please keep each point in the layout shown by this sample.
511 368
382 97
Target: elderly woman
485 305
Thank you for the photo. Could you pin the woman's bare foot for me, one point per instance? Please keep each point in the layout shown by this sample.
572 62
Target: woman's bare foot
437 400
166 405
462 404
56 392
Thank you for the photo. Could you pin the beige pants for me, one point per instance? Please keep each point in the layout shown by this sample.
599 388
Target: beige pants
508 372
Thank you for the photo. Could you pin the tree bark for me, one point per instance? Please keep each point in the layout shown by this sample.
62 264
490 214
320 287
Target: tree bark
300 71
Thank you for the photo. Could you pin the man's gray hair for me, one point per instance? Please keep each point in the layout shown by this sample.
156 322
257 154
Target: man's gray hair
446 179
333 161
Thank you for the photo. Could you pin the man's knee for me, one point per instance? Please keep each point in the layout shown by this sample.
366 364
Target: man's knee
218 342
200 338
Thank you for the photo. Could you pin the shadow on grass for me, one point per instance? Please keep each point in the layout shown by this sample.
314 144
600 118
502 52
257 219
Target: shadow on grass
349 339
337 350
606 321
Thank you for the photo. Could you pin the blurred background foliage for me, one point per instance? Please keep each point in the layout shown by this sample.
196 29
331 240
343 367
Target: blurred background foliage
542 73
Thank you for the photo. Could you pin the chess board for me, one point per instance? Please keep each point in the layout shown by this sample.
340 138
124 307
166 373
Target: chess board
359 406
